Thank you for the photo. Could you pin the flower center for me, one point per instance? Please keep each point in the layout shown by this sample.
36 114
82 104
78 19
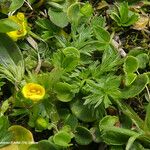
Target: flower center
19 32
35 91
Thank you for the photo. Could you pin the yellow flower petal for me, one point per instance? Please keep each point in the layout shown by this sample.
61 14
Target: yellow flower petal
21 21
21 16
33 91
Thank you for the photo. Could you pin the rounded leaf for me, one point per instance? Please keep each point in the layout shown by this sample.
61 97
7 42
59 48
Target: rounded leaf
143 59
73 12
72 121
136 87
96 134
21 135
63 91
59 18
83 136
62 138
71 51
108 121
81 111
131 64
71 59
87 10
46 145
129 78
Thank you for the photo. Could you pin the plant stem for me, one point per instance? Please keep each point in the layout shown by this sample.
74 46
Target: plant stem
28 4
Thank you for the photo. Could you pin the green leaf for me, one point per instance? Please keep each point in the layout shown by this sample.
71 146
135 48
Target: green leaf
81 111
102 90
87 10
116 135
125 121
115 17
147 119
21 111
62 138
5 135
131 141
108 121
59 18
71 59
94 99
73 13
137 146
64 92
16 4
111 86
83 136
51 110
123 10
46 145
67 59
56 6
69 63
1 84
127 110
4 106
107 101
57 59
7 25
34 147
98 21
131 20
148 74
122 15
64 113
46 24
129 78
96 134
136 87
22 135
114 147
9 51
11 60
57 1
46 35
101 34
136 51
72 121
130 65
71 51
110 61
143 59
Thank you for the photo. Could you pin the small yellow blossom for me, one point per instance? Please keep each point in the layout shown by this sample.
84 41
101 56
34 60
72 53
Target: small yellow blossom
21 21
33 91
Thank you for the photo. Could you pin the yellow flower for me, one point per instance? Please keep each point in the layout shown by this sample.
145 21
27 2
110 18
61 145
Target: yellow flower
33 91
21 21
